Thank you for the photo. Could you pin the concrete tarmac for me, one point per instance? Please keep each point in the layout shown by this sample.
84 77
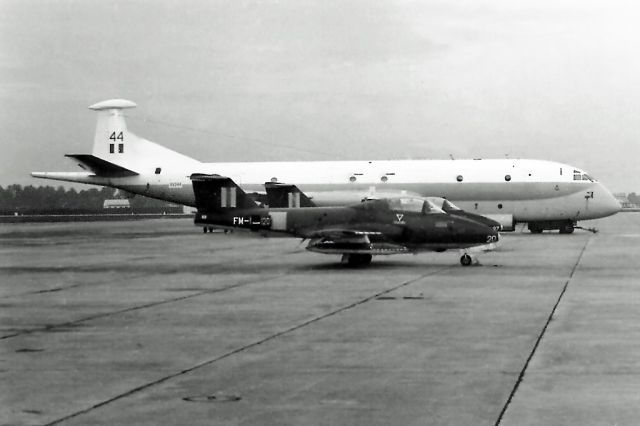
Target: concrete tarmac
154 322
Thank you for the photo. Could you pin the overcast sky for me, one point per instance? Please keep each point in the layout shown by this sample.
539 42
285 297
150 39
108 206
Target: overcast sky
301 80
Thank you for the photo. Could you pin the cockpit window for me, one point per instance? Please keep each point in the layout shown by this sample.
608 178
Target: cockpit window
406 204
578 175
448 206
437 201
413 205
430 207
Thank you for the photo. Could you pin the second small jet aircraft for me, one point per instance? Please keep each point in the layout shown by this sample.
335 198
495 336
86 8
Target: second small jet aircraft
358 232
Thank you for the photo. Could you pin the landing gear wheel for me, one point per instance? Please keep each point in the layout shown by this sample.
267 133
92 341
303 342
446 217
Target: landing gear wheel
204 229
356 259
465 260
534 229
567 228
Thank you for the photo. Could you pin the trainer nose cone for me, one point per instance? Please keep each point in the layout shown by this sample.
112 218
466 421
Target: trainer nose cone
493 236
485 234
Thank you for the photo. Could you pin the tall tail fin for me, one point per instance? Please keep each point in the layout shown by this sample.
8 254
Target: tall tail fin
215 193
114 143
112 137
285 195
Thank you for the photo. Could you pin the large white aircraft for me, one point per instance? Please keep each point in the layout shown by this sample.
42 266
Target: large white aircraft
545 194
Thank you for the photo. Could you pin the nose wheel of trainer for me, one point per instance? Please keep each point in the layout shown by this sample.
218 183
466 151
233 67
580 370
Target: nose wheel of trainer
466 260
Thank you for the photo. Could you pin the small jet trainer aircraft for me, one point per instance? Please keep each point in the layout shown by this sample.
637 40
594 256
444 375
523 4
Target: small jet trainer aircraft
373 227
287 195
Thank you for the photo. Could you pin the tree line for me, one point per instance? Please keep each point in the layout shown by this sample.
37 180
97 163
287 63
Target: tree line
50 200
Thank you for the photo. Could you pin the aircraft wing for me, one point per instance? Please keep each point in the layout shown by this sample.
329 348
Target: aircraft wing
100 167
333 243
338 233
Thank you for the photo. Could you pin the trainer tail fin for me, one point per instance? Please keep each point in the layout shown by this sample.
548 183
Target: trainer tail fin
215 193
286 195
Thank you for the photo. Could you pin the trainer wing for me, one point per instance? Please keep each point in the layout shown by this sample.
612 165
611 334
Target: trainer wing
341 241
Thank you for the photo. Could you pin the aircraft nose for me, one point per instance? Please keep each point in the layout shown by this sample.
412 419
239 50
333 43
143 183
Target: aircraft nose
487 233
606 203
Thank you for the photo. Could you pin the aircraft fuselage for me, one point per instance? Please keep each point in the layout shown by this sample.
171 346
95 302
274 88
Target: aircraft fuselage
536 190
515 190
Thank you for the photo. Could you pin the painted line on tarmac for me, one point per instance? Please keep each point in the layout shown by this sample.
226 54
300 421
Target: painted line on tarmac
249 346
541 335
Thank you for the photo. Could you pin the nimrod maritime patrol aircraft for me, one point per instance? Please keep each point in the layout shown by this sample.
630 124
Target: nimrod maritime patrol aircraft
357 232
544 194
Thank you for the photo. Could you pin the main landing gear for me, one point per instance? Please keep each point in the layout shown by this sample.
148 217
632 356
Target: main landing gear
206 229
356 259
564 226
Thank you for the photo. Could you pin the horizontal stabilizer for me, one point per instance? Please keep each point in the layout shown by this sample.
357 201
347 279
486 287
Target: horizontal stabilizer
101 167
282 195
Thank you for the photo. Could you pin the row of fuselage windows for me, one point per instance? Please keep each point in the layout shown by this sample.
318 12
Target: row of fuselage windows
384 179
112 148
507 178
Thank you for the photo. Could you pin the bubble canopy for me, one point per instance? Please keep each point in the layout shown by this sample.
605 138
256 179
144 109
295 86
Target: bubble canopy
411 205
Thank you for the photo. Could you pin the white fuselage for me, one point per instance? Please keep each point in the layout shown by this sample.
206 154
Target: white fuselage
527 190
517 190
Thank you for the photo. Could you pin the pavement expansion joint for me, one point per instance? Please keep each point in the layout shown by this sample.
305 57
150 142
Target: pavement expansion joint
105 282
28 350
217 397
248 346
541 335
63 327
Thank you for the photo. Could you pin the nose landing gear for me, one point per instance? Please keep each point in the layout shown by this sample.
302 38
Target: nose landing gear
567 228
466 260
